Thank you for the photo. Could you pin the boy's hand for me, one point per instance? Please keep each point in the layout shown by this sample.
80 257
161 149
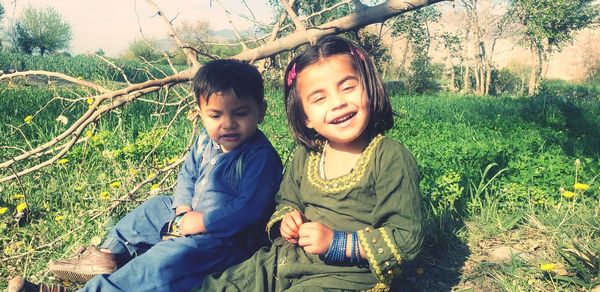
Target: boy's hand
182 209
315 237
290 225
192 223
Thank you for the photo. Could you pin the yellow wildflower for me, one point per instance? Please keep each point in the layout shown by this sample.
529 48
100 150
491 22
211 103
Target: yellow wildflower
28 119
3 210
155 189
78 188
8 250
151 175
172 160
547 267
115 184
104 195
577 162
67 283
132 172
18 196
59 218
30 248
581 187
89 101
568 194
63 161
88 133
21 207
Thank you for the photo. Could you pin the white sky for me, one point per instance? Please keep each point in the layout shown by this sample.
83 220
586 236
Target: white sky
112 24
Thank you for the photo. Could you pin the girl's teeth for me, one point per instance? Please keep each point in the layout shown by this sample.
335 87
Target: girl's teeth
343 119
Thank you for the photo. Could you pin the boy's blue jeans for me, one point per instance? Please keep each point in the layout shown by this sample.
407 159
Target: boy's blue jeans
172 265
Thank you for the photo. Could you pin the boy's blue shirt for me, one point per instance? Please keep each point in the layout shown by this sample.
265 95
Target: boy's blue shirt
230 200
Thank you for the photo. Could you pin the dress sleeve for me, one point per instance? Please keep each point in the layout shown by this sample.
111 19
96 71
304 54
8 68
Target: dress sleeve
396 233
287 198
188 174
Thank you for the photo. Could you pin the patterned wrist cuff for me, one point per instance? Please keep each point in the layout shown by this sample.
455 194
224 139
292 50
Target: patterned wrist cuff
381 253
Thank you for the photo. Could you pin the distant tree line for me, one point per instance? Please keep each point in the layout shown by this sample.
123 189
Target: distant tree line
543 27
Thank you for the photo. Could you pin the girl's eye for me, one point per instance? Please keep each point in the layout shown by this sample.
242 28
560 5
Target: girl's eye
241 114
318 98
348 88
214 117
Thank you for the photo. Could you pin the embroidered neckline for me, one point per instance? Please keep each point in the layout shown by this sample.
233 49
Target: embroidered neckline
343 182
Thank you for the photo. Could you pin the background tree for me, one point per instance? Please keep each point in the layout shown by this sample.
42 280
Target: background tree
453 46
414 29
547 25
144 49
485 22
43 30
1 17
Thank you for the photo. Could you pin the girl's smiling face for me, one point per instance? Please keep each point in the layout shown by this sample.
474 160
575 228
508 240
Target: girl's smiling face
334 101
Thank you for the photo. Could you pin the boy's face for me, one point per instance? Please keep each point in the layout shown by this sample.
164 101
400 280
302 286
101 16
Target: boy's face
230 121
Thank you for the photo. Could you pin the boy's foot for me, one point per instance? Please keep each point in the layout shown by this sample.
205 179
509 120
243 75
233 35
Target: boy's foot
87 263
19 284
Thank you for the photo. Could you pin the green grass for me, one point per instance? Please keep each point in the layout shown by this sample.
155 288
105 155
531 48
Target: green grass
491 168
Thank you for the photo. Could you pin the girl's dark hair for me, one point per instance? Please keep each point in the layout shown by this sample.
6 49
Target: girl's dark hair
226 74
381 118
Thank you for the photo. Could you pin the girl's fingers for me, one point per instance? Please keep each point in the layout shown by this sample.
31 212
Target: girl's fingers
297 218
304 241
287 232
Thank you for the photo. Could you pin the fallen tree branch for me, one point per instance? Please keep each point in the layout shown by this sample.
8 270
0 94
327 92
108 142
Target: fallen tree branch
352 22
55 75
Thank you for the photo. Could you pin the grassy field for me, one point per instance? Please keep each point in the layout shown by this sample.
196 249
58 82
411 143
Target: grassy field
510 185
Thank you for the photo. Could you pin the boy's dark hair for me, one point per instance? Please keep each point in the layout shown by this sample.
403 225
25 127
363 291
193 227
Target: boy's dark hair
382 117
222 75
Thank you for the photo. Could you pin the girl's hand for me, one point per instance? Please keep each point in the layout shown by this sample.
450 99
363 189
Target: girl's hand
315 237
290 225
182 209
192 223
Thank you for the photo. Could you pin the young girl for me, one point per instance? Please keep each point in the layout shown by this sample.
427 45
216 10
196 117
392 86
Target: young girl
349 208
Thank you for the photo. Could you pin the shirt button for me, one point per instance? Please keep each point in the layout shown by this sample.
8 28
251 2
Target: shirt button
380 250
218 147
213 161
374 240
387 263
368 229
203 182
390 272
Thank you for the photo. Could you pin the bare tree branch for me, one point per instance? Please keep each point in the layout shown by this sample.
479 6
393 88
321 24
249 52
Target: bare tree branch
235 30
299 26
190 54
370 15
55 75
114 66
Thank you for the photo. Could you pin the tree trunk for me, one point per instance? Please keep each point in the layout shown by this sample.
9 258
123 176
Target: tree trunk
466 79
536 69
477 74
452 77
488 79
405 53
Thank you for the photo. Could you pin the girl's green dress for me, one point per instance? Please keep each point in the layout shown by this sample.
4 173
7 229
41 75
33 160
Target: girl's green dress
379 198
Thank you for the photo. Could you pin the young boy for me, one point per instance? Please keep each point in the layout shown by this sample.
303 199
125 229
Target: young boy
224 195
